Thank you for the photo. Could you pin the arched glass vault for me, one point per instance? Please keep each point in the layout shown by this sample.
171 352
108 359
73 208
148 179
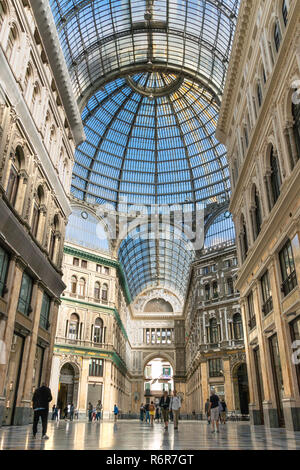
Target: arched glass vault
148 76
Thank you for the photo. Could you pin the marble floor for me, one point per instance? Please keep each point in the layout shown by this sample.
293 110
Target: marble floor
133 435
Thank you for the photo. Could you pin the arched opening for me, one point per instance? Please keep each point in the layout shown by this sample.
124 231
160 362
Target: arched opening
277 36
98 333
296 118
3 12
158 377
11 42
97 291
73 327
104 294
284 12
256 214
68 387
213 331
243 239
241 389
14 176
82 287
73 285
53 236
37 210
275 176
237 326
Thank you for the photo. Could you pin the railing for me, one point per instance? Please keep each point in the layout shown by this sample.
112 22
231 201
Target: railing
268 306
89 299
289 283
83 343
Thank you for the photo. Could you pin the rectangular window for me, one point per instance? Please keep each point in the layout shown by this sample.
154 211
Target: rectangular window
266 294
96 368
45 311
215 367
4 261
25 294
106 270
75 262
84 264
251 312
206 270
98 268
287 266
167 371
295 336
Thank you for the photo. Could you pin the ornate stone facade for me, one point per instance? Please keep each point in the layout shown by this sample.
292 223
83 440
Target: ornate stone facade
260 125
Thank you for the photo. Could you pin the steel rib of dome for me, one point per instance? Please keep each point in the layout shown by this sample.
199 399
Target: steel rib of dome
149 77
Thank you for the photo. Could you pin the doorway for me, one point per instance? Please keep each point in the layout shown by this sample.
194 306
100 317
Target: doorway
13 378
67 387
241 381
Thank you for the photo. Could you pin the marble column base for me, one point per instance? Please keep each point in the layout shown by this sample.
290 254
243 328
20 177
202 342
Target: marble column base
270 415
23 415
255 415
291 415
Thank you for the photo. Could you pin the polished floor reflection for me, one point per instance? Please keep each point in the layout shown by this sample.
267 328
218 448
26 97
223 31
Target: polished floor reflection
133 435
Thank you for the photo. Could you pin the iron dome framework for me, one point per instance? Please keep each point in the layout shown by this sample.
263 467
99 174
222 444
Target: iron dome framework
148 76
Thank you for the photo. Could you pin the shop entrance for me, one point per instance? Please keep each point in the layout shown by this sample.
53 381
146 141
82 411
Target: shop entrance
68 387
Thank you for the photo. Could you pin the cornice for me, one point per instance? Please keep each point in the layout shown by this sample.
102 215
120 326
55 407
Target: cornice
241 37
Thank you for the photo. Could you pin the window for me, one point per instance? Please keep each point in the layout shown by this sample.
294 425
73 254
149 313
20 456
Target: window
53 237
12 38
4 262
45 311
96 368
296 117
97 291
2 12
227 263
257 221
14 178
206 270
295 336
84 264
104 294
82 285
264 77
213 331
230 289
25 295
237 326
215 367
207 291
98 331
275 176
251 312
277 36
243 239
73 284
266 294
106 270
75 262
73 326
215 290
167 371
98 268
246 136
259 94
287 266
284 12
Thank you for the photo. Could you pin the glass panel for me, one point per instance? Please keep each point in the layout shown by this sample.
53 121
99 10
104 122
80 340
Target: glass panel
45 310
25 294
4 261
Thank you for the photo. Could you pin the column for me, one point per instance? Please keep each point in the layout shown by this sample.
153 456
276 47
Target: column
228 384
53 315
294 152
21 191
269 191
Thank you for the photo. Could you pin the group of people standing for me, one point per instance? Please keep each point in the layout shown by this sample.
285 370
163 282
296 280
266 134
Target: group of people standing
168 406
215 410
69 412
94 413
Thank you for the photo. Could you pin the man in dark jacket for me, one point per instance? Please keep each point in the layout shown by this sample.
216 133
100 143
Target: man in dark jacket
164 405
40 403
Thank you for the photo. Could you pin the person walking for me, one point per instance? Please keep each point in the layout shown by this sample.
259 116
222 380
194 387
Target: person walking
71 415
175 405
142 412
147 417
207 411
53 412
165 405
152 412
116 412
90 411
223 411
214 410
98 410
157 413
40 403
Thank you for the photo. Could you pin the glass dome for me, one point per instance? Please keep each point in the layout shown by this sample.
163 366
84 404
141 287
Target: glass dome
151 140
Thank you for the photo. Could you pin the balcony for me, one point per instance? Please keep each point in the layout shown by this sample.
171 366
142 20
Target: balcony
83 343
87 299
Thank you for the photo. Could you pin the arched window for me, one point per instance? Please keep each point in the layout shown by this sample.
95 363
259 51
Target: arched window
97 290
256 215
104 295
215 289
207 291
73 326
264 77
37 210
213 331
243 239
296 116
82 286
284 12
277 36
35 98
98 331
73 284
3 11
259 94
237 326
14 176
275 176
11 42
